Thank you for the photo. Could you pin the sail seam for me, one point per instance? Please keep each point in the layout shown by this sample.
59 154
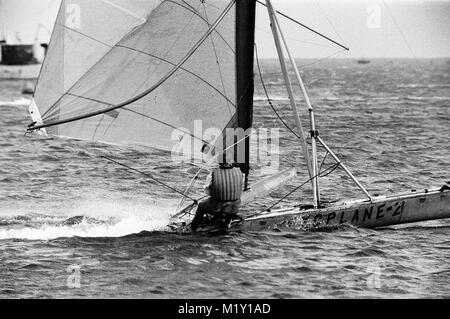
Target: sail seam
167 124
186 70
166 52
85 35
193 10
110 104
144 115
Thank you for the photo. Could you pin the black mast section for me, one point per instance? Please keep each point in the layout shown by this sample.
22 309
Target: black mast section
245 39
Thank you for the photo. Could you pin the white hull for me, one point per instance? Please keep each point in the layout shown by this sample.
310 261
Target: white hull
383 211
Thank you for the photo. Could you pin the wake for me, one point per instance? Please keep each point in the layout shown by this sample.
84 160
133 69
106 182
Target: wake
19 102
89 219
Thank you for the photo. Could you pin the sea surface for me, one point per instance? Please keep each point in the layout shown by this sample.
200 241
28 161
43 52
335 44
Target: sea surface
74 225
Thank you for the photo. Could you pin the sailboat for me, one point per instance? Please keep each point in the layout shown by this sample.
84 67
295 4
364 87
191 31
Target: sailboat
144 72
363 61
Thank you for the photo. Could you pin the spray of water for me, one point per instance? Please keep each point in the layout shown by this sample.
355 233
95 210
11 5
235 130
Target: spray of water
19 102
92 219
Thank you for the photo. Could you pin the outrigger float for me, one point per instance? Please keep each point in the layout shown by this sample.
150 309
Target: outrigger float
381 211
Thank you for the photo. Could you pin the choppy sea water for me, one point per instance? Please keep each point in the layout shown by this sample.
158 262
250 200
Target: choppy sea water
73 225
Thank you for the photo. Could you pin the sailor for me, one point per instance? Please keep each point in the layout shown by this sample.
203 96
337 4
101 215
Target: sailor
225 185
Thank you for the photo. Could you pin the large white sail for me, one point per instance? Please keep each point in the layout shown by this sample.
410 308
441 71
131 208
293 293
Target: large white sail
105 52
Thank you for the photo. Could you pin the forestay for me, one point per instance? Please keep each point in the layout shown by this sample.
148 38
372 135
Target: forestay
105 52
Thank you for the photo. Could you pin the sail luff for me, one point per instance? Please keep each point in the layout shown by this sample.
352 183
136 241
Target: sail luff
245 39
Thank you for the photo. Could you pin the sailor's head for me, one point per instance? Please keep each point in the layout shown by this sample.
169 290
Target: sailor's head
225 165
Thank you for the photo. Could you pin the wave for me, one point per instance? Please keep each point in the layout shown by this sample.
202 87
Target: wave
272 98
427 98
19 102
94 219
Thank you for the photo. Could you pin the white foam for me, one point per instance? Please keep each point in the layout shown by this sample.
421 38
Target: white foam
102 219
20 102
272 98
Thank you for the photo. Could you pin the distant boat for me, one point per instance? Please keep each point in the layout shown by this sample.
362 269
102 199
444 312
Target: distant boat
363 61
18 61
18 54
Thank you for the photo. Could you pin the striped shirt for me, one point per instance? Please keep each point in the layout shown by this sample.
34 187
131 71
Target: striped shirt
226 184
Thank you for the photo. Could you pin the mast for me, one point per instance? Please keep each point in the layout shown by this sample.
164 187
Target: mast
315 138
245 39
276 35
313 132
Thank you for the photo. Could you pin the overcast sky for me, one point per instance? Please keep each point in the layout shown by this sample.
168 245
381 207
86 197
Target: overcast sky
389 28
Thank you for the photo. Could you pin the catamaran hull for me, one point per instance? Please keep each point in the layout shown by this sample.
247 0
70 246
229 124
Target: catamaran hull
383 211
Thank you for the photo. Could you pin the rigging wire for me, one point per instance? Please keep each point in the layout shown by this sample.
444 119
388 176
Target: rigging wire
324 173
323 160
268 97
306 27
269 33
402 35
329 21
151 177
304 66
